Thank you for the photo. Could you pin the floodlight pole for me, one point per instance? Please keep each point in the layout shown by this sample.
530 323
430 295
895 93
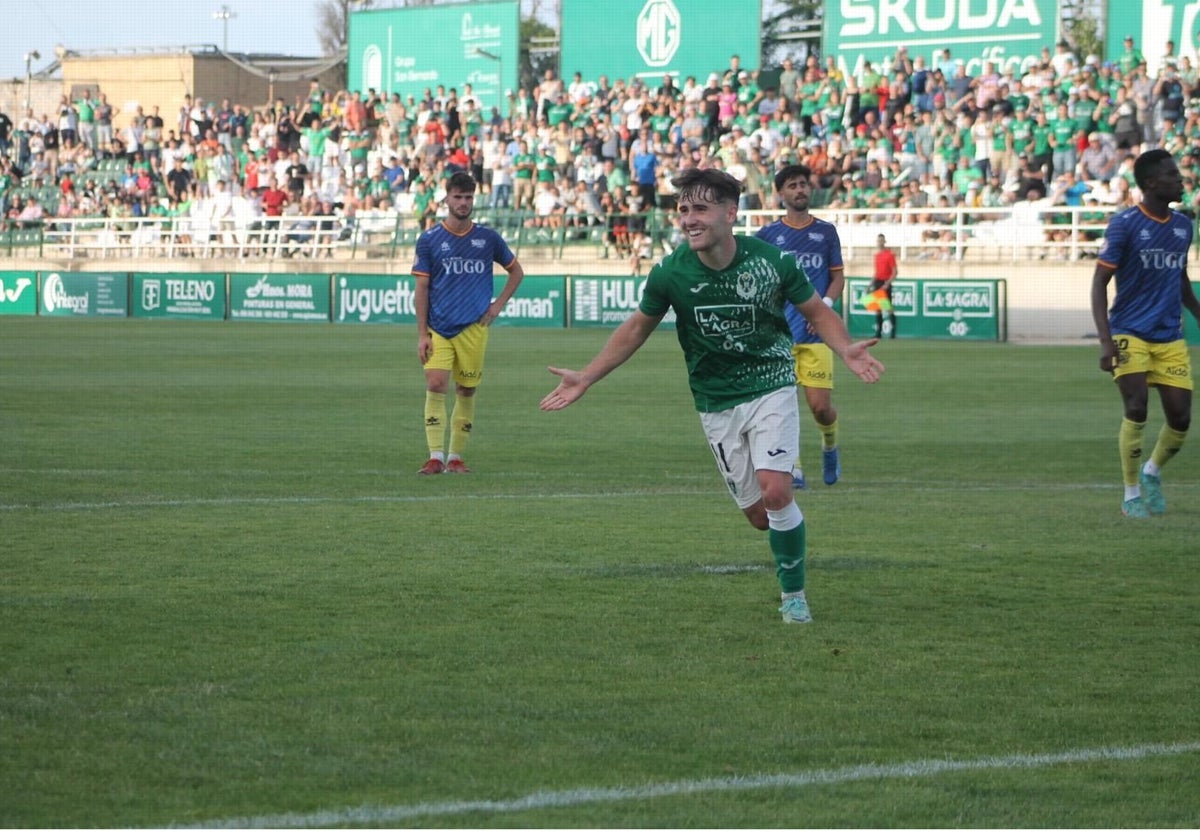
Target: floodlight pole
30 57
223 15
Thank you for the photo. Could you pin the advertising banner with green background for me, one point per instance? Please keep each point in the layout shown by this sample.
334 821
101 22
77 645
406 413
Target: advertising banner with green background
540 301
1007 32
1151 23
198 296
388 299
18 292
607 301
374 299
78 293
405 51
279 297
624 39
963 310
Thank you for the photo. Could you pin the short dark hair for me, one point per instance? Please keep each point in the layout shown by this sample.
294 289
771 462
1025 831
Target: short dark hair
461 182
714 184
1147 164
792 170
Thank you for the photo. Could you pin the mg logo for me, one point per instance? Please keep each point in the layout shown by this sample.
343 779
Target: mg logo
658 32
151 295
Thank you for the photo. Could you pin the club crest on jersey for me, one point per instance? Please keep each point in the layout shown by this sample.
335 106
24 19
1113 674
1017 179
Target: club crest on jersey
745 285
1180 232
478 243
817 237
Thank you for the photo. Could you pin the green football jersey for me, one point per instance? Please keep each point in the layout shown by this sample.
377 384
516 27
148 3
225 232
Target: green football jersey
735 339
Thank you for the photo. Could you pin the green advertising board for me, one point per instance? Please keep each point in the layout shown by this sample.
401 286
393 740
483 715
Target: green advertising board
78 293
962 310
624 39
1151 23
18 293
540 301
607 301
374 299
405 51
179 295
1010 33
279 297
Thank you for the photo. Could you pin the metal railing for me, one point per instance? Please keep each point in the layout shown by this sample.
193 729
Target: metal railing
1013 234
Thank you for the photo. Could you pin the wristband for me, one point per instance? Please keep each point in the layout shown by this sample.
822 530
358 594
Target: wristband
828 301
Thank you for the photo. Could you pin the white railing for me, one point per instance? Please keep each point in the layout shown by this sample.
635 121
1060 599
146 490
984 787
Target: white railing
1015 234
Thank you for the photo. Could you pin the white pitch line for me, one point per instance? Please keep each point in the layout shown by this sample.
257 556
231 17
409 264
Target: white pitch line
233 501
373 815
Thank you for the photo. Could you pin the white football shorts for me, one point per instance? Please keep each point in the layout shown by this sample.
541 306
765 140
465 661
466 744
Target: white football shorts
763 434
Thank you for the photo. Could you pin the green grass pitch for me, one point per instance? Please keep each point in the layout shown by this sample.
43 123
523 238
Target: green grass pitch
227 596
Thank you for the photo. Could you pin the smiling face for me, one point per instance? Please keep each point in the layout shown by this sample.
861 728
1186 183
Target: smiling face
706 221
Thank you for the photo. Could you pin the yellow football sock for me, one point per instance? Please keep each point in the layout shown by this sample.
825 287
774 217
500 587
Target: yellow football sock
461 422
435 420
1170 441
828 435
1129 442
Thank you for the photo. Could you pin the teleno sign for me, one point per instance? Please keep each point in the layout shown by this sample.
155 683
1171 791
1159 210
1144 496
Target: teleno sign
1006 32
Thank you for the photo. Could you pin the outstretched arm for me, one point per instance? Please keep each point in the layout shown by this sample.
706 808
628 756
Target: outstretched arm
623 343
856 354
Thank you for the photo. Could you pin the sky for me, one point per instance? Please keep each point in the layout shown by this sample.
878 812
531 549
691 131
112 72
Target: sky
258 26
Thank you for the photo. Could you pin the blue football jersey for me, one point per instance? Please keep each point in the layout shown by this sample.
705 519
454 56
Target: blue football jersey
818 250
461 277
1149 256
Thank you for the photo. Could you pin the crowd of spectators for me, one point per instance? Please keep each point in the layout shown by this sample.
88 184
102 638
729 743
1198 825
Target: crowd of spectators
914 133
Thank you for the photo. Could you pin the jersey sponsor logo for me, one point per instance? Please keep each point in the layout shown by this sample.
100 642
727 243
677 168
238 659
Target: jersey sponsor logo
725 321
810 260
463 265
1162 259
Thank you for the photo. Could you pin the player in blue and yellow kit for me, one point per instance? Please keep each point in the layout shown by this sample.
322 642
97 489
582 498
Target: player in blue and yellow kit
454 304
1141 335
818 249
727 293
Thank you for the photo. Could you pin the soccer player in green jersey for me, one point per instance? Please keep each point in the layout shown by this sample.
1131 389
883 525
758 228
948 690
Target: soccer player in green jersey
728 293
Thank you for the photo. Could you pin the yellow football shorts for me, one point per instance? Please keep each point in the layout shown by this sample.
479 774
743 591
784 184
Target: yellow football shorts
1163 364
814 365
461 355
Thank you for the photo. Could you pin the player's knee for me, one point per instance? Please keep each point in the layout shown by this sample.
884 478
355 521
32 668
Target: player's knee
756 514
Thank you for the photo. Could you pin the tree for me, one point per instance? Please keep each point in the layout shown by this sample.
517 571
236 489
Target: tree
790 28
1081 27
